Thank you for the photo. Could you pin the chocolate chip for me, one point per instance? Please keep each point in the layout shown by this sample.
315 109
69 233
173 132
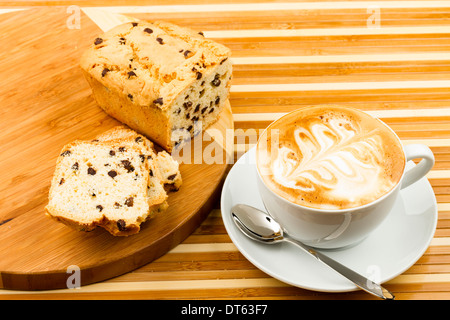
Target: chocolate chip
93 195
138 139
148 30
112 153
160 40
134 24
211 111
158 101
195 119
112 173
122 149
91 171
75 166
171 177
130 96
129 202
121 225
187 104
66 153
98 41
122 40
223 60
201 33
117 205
197 108
131 74
216 82
189 128
99 207
202 93
203 110
127 165
105 71
150 173
188 54
62 181
199 75
217 100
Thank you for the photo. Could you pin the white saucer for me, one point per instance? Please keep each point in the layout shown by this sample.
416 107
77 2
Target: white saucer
389 251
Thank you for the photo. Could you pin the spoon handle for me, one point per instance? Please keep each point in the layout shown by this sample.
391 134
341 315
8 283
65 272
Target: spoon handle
362 282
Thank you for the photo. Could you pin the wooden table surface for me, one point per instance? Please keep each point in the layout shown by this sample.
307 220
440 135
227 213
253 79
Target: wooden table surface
391 58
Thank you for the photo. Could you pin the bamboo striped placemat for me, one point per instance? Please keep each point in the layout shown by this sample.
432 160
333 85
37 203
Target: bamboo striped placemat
390 58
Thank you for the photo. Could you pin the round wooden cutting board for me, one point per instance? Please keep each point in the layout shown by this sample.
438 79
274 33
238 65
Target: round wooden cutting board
39 253
47 103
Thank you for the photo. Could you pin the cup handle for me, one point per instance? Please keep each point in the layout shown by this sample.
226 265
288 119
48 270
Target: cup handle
417 151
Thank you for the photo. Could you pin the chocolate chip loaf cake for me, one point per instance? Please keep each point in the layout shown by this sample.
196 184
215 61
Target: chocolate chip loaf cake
162 80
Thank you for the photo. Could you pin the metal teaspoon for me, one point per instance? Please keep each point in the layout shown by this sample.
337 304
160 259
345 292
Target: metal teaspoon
259 226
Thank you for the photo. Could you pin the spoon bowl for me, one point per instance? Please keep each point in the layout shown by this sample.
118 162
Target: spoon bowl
259 226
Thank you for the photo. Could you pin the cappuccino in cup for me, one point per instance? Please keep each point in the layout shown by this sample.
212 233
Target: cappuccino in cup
331 175
330 158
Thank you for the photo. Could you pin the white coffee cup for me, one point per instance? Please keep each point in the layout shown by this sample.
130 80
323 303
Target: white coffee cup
338 228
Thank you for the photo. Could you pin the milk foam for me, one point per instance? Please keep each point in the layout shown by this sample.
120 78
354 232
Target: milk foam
331 162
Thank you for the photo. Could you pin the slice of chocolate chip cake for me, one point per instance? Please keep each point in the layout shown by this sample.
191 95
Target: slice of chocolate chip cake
162 80
103 184
165 167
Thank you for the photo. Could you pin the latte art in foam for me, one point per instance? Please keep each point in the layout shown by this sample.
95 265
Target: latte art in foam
333 159
330 158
